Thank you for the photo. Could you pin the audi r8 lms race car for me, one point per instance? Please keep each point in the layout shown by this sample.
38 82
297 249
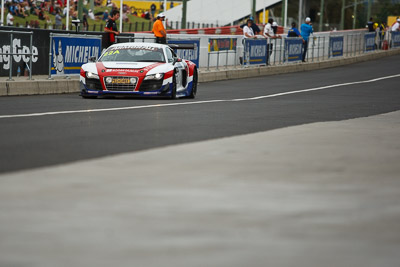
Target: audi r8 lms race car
139 69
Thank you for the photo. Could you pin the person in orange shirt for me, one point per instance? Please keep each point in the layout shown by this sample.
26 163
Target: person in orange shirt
159 30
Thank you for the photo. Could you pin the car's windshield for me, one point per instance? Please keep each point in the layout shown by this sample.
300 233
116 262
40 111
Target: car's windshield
133 54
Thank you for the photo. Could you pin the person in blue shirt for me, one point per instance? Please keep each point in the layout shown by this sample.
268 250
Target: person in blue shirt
293 32
306 30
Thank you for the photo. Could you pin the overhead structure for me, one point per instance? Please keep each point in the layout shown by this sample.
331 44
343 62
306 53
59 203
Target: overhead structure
221 12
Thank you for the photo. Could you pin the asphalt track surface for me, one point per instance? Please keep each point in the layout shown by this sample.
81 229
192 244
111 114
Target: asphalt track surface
289 170
104 127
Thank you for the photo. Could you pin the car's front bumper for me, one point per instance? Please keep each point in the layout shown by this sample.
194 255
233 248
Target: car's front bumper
92 89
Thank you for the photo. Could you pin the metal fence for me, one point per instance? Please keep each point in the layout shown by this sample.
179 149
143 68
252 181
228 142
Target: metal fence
319 49
11 52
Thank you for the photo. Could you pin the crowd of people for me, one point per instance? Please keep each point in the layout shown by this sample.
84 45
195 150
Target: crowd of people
53 11
42 9
23 8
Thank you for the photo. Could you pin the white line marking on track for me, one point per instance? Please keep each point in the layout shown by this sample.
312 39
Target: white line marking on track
197 102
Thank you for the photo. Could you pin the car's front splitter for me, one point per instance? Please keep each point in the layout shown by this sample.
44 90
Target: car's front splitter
165 90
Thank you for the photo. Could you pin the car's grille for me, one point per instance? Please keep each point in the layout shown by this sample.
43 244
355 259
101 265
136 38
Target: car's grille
120 83
93 84
150 85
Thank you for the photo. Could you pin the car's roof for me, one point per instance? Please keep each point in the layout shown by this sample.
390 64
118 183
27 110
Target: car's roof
136 44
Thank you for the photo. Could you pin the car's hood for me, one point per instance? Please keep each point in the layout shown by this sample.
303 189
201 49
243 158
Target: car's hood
128 65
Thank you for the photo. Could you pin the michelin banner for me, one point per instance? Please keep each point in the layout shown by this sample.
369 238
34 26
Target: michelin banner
188 54
255 52
294 49
336 46
69 53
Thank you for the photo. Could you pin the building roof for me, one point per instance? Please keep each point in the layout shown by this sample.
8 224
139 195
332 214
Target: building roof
221 12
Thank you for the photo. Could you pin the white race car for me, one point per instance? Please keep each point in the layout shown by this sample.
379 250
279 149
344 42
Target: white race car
139 69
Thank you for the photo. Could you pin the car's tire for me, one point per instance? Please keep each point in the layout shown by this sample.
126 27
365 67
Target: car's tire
194 84
173 91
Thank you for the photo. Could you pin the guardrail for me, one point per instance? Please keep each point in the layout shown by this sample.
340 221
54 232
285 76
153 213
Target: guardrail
17 53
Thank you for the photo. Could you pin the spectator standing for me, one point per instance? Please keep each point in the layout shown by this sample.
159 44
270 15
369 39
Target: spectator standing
10 19
270 34
85 23
256 29
382 31
58 19
294 32
105 15
147 15
396 26
275 28
394 22
159 30
370 25
153 9
125 13
306 30
111 26
248 31
65 11
91 14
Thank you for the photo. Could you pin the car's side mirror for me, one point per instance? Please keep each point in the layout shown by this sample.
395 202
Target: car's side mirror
92 59
177 59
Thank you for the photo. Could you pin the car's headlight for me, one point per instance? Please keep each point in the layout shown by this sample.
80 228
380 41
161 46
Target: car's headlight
157 76
91 75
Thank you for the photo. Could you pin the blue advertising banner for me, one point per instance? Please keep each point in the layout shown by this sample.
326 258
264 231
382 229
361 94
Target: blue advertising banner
336 46
255 52
395 39
369 41
188 54
69 53
294 49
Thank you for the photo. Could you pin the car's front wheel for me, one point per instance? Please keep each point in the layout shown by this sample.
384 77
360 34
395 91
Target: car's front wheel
194 84
173 90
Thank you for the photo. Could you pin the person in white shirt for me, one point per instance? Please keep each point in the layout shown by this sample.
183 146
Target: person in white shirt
396 26
248 31
10 19
269 34
91 14
269 31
